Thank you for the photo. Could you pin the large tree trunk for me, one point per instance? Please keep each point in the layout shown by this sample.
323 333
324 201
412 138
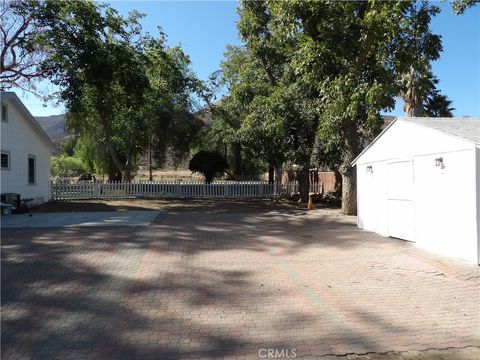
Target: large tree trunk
271 173
127 173
111 148
304 181
150 175
113 173
338 183
349 175
305 172
349 190
414 109
278 179
237 159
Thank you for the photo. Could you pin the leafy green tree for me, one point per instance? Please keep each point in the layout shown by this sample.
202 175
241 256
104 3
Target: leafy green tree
276 120
116 83
459 6
347 59
209 163
169 100
229 113
68 145
67 166
97 62
94 153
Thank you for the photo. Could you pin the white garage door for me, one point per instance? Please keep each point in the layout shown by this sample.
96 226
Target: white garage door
400 200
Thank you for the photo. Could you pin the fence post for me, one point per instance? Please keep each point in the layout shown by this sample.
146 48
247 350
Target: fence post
261 190
96 190
176 189
226 192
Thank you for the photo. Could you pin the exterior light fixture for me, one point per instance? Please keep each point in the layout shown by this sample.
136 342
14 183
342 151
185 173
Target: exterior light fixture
439 162
370 169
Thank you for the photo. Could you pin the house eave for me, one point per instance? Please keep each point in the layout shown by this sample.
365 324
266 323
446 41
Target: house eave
30 118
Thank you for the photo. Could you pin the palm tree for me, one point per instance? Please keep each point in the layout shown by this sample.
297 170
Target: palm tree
438 105
416 84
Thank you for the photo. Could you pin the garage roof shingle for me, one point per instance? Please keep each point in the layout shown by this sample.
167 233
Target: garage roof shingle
466 128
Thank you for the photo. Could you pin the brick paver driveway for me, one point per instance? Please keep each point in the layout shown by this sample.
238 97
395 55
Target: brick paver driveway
214 285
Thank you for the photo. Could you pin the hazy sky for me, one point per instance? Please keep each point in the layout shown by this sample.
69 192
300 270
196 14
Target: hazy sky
204 28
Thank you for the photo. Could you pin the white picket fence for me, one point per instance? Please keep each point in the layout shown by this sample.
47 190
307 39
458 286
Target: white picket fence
168 189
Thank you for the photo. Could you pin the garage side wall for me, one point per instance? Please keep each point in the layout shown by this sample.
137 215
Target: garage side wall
372 197
445 219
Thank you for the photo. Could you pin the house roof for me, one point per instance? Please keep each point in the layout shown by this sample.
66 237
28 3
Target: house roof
464 128
10 95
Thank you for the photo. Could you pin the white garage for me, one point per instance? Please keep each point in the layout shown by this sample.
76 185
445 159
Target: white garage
419 180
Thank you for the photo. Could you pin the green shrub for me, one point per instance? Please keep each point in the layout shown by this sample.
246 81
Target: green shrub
67 166
208 163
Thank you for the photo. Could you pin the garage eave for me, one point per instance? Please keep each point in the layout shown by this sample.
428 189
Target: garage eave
354 162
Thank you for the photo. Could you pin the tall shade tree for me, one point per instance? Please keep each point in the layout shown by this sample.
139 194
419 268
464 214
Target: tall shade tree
244 76
169 100
116 83
277 121
347 59
97 62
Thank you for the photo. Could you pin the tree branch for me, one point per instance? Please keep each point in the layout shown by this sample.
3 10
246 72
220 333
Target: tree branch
269 73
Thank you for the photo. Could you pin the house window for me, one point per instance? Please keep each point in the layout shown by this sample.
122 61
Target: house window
5 160
31 169
4 112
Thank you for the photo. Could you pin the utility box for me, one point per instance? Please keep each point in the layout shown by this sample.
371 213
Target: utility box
12 199
6 209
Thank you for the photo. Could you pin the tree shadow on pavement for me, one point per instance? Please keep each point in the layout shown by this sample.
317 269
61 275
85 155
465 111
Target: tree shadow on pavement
190 285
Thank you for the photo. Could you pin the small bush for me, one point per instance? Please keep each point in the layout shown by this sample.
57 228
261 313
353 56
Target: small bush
209 163
67 166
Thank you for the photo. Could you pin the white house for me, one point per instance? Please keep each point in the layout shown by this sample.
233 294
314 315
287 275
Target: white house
25 151
419 180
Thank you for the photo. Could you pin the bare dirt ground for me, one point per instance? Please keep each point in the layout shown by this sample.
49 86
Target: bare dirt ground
183 205
169 175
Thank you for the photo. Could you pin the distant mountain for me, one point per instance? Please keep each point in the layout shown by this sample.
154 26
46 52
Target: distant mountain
54 126
205 114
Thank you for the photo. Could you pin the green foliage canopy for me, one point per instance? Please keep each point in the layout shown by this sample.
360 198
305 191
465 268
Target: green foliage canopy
67 166
321 73
116 82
